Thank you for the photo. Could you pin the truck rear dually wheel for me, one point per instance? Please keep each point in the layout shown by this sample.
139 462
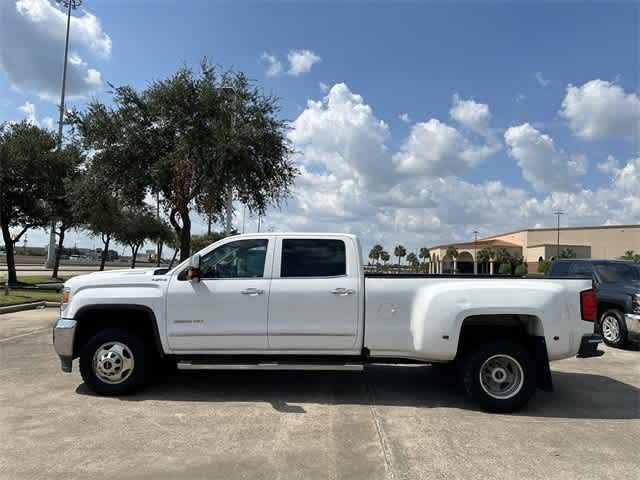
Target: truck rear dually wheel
113 362
500 376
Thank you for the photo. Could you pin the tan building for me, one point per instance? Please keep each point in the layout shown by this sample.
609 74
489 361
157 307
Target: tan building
609 241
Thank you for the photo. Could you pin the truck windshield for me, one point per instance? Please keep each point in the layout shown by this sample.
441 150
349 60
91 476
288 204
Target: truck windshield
615 273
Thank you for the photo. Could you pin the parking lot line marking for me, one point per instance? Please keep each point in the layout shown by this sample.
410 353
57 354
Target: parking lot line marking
382 437
6 339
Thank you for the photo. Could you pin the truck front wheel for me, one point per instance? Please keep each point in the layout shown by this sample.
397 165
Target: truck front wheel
500 376
113 362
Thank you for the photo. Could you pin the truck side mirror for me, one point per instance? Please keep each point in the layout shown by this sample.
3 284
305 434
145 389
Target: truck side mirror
193 273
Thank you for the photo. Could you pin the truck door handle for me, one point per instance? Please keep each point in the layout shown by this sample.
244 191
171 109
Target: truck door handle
343 291
252 292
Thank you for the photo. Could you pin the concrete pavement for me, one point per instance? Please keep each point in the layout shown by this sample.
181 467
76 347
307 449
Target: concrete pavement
388 423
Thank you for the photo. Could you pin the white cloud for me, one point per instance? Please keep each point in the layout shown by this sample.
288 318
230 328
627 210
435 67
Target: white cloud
520 97
48 122
32 35
544 166
610 165
29 111
30 114
274 66
541 80
342 135
301 61
470 114
324 88
404 117
600 109
437 149
578 165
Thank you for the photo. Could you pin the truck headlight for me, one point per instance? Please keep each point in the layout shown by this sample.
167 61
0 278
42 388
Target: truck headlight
64 301
635 303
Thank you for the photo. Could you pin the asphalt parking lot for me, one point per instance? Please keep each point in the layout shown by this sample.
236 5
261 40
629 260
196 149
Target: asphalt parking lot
388 423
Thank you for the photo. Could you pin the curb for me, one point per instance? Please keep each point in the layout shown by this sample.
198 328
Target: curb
28 306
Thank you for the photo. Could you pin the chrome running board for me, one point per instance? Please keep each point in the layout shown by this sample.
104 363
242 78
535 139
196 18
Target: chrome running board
199 365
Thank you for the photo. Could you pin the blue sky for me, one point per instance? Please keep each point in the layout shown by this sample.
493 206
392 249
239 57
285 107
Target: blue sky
515 58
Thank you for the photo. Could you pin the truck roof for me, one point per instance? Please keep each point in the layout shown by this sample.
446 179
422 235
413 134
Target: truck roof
296 234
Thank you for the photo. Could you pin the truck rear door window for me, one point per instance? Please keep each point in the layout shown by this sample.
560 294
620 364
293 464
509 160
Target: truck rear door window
313 258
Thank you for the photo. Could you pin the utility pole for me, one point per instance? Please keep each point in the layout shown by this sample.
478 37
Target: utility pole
558 213
70 5
230 91
475 252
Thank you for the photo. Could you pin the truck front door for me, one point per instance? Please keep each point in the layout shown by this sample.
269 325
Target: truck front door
226 309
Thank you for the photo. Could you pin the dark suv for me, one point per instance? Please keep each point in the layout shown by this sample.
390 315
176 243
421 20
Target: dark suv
617 284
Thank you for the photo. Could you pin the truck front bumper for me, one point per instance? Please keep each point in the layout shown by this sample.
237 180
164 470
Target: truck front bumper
64 332
632 320
589 346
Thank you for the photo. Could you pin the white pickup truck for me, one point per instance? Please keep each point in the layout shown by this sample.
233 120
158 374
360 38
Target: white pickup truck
303 302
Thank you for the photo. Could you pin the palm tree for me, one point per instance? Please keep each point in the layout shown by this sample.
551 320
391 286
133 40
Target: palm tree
374 253
384 256
628 255
424 254
413 260
399 252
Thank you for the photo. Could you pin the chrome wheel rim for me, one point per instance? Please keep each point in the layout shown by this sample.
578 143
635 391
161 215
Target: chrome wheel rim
611 328
501 376
113 362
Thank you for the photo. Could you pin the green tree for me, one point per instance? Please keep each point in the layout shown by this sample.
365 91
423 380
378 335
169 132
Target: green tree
29 172
543 266
505 269
59 202
190 139
136 225
520 270
399 252
486 255
198 242
412 258
384 256
100 206
568 253
374 253
424 254
631 255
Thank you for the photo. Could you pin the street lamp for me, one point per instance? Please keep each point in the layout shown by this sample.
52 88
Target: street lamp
475 252
229 92
558 213
69 5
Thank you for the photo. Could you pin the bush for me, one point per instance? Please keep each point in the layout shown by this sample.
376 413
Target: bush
505 269
543 266
520 270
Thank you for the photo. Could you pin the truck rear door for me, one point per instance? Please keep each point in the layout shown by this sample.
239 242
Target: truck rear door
314 297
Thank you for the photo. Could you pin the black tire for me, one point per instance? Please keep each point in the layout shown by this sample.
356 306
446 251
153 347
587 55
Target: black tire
614 316
508 351
134 380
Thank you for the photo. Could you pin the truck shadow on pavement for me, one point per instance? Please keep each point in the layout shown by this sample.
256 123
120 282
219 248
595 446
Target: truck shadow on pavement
577 395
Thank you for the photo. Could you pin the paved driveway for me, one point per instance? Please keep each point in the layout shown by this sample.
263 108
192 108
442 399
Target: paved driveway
388 423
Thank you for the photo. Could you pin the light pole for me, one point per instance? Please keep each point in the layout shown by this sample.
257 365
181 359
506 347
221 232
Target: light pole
70 5
231 92
558 213
475 253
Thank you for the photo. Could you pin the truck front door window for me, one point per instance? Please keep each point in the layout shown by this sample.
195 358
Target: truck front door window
241 259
